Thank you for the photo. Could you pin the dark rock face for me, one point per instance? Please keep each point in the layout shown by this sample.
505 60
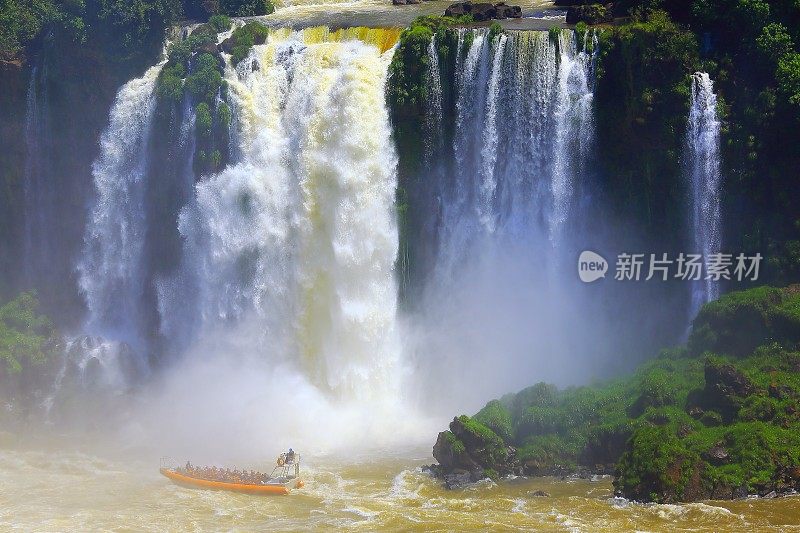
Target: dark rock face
227 45
507 12
717 455
725 388
484 11
590 14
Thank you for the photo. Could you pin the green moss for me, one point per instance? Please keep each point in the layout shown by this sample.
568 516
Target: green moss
409 66
496 417
456 446
739 322
657 465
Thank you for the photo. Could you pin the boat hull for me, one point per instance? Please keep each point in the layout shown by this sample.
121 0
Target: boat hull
195 483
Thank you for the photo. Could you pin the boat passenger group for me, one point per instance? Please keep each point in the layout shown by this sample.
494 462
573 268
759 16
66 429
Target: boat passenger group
226 475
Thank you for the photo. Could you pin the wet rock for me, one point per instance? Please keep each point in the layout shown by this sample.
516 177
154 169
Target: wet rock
227 45
739 492
458 479
696 412
484 11
399 2
717 455
539 494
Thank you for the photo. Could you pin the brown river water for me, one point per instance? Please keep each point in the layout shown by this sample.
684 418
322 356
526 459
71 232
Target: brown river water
46 489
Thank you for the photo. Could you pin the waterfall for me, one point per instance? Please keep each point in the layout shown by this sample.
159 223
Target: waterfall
37 191
523 133
433 112
295 241
703 162
573 131
111 268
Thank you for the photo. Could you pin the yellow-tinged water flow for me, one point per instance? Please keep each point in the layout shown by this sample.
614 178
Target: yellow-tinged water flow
382 38
76 491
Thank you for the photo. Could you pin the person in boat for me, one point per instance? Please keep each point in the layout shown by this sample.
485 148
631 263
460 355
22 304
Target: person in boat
290 457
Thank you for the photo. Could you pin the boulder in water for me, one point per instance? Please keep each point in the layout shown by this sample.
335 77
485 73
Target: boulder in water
483 11
471 450
590 14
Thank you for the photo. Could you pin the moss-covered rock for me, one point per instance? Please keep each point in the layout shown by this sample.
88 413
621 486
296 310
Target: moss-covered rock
473 449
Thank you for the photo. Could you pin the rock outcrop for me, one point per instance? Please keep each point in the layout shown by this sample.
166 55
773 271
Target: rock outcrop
590 14
484 11
470 451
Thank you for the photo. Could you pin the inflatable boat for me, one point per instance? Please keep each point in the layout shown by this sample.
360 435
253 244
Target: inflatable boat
284 477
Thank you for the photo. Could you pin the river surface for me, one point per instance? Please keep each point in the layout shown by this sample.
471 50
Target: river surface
537 14
46 489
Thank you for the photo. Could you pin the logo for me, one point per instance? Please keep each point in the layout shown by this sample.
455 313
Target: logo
591 266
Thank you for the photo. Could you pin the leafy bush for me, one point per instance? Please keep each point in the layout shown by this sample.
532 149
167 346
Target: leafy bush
224 114
245 37
170 82
205 79
23 333
203 119
248 8
220 23
774 42
788 76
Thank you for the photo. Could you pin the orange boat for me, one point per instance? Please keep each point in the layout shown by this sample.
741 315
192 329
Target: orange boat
287 478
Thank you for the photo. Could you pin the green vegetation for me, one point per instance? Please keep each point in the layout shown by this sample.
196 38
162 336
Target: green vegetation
220 23
23 334
205 80
642 102
494 30
194 69
244 38
410 62
750 49
691 424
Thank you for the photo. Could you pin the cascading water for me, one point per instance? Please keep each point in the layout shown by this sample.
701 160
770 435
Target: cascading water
298 234
523 130
504 222
705 179
111 271
37 190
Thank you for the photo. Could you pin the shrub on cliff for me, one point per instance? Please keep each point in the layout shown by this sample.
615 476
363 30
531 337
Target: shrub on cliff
409 66
23 334
244 38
